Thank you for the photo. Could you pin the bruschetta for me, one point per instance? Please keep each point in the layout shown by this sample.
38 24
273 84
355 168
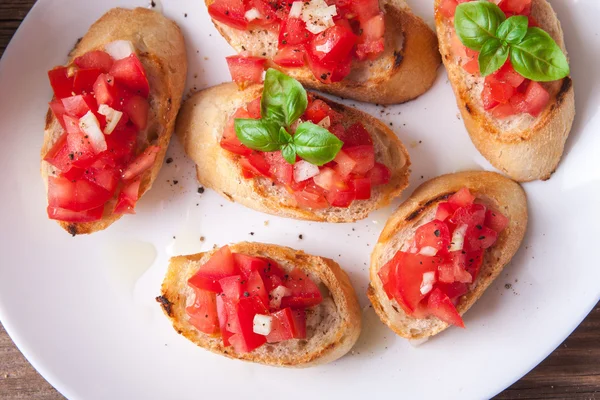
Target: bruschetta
368 50
520 115
112 116
263 303
442 248
366 165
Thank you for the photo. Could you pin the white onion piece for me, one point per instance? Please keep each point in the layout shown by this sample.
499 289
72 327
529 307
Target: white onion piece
458 238
261 325
252 14
277 294
325 122
112 117
304 170
324 179
427 283
325 48
428 251
91 127
318 16
120 49
296 9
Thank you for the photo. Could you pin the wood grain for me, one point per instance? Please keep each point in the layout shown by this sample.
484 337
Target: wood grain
571 372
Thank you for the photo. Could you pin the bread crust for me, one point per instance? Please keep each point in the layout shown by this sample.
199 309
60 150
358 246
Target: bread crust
406 69
315 350
495 191
160 47
200 125
525 153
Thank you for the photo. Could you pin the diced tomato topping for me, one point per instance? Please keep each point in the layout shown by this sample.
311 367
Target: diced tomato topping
256 287
229 12
79 105
287 324
62 214
304 292
512 7
290 56
58 109
254 108
345 164
105 90
364 9
536 98
128 197
441 306
447 8
433 234
141 163
78 195
357 135
364 156
379 175
246 70
280 169
58 155
453 290
318 110
473 261
233 287
293 32
229 141
444 211
361 188
255 165
137 108
479 239
246 340
95 59
472 66
496 220
130 73
508 75
203 313
341 196
315 201
471 215
219 266
461 198
61 82
84 80
333 44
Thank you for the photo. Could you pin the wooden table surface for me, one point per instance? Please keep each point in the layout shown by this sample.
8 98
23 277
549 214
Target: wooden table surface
572 371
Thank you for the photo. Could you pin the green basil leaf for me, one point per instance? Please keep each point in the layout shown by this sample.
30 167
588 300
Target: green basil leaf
284 136
289 153
284 99
476 22
539 58
257 134
493 56
315 144
514 29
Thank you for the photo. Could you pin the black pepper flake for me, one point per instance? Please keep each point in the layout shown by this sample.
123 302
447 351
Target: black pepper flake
437 233
479 227
175 182
481 237
300 237
251 233
246 294
152 4
169 160
200 190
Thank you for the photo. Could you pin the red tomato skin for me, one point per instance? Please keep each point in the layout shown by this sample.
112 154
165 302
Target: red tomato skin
362 188
282 327
229 12
246 70
58 109
79 105
219 266
61 214
444 211
95 59
461 198
80 195
246 264
310 200
292 32
84 80
255 165
536 98
522 7
339 39
508 75
433 234
130 73
440 305
379 175
364 156
61 83
473 263
356 135
232 287
137 109
105 90
224 308
230 141
447 8
58 155
290 56
203 313
254 108
246 340
471 215
304 292
453 290
317 110
279 169
496 220
128 197
256 287
480 239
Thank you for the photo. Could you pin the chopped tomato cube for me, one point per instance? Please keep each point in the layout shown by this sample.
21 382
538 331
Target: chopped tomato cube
333 44
256 287
105 90
233 287
339 196
461 198
230 141
128 197
515 6
203 313
471 215
225 308
255 165
364 9
58 109
536 98
80 149
95 59
362 188
254 108
121 145
246 340
130 73
379 175
440 305
499 92
84 80
137 109
287 324
281 170
444 211
304 292
318 110
78 195
229 12
61 214
61 82
486 97
473 262
246 70
293 32
344 164
79 105
247 264
388 275
364 156
357 135
496 220
142 163
453 290
455 271
482 238
508 75
219 266
102 175
310 200
58 155
472 66
290 56
433 234
502 111
447 8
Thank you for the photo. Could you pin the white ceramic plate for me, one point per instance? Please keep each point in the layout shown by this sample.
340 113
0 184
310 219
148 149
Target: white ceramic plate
82 309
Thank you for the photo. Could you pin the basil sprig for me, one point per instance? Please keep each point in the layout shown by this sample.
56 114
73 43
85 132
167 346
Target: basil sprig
284 100
483 27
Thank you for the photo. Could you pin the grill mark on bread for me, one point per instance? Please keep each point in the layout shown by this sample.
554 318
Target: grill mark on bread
166 305
72 229
566 86
398 58
468 108
422 208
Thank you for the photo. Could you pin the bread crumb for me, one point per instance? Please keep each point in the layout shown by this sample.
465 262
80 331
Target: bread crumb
202 238
266 223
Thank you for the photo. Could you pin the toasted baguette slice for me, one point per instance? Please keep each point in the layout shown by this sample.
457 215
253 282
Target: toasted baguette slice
406 69
200 127
492 189
160 47
332 327
523 147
